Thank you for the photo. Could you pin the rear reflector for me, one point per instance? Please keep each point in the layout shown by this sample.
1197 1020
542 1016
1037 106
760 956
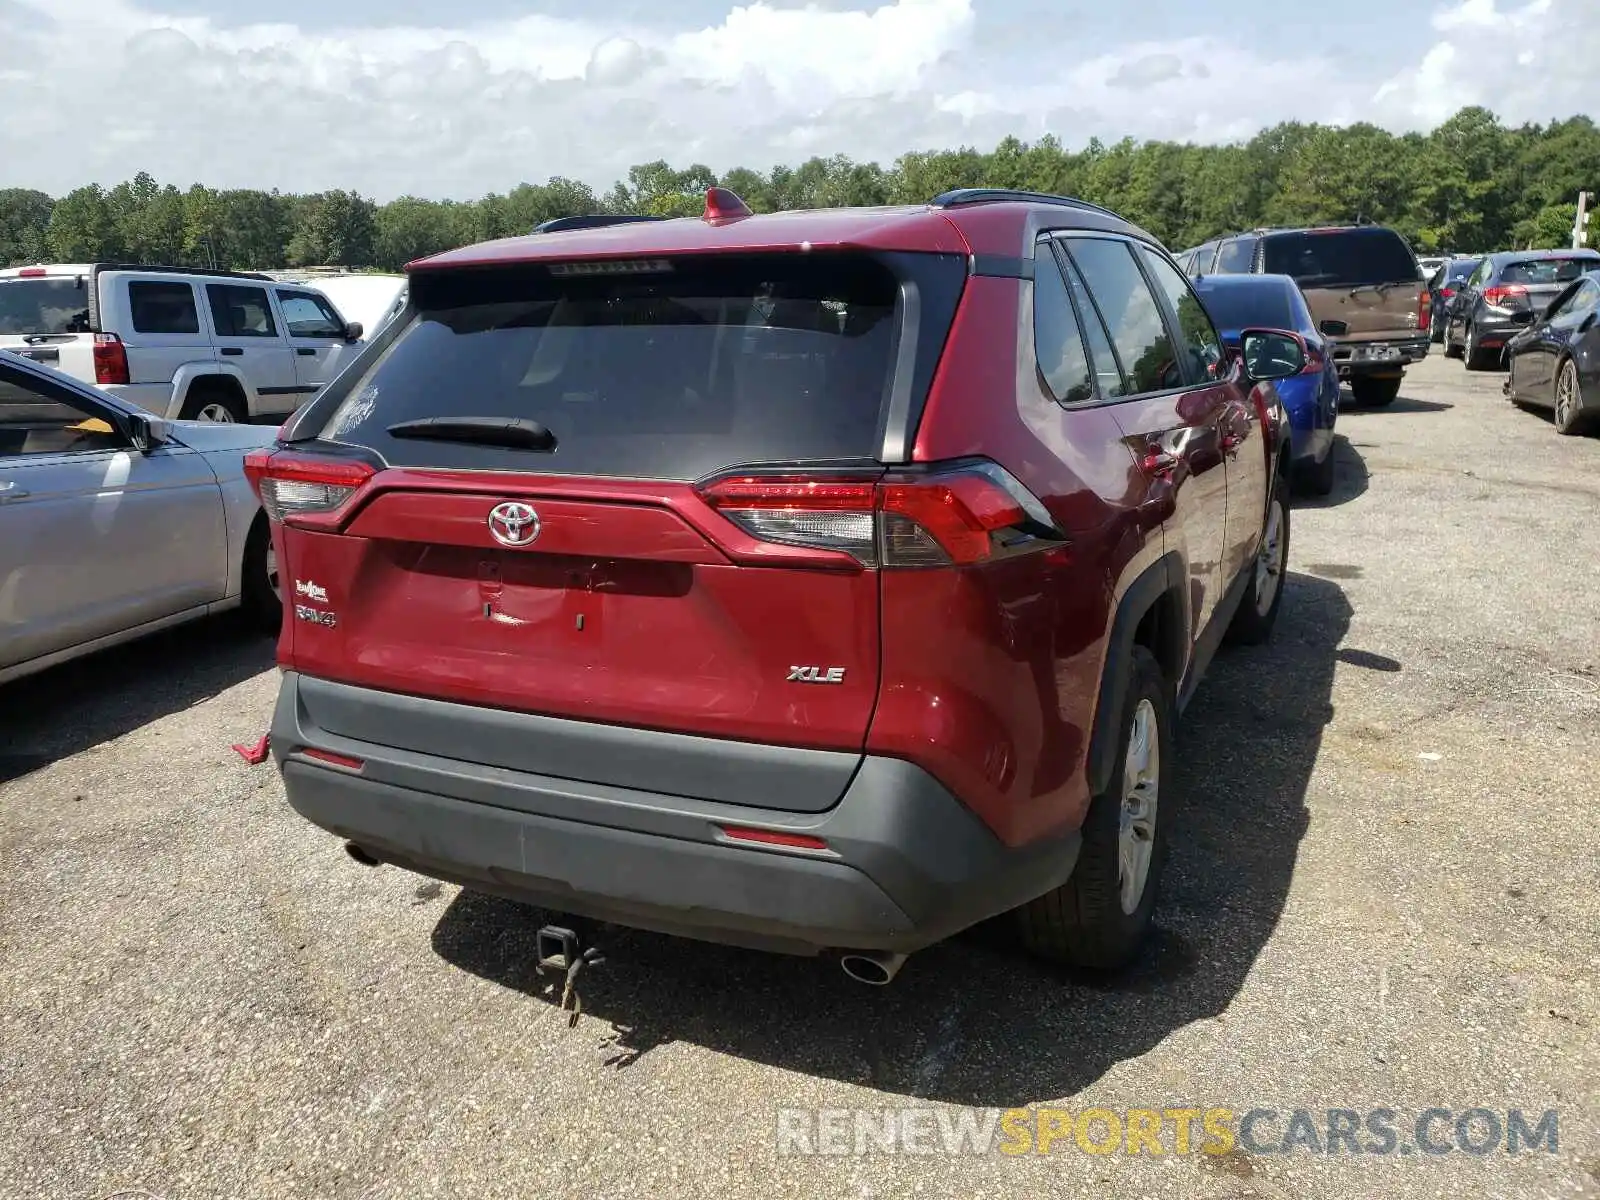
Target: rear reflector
772 837
955 515
290 485
332 759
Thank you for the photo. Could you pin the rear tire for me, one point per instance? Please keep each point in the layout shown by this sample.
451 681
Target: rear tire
207 402
1099 918
1374 393
1451 350
260 590
1477 358
1318 478
1263 595
1570 416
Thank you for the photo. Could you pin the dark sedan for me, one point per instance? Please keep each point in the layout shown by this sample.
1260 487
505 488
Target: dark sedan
1555 361
1444 285
1484 317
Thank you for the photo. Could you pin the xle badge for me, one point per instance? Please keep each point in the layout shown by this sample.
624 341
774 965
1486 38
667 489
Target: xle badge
816 675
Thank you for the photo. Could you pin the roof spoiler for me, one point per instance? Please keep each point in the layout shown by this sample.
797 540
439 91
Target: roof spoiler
592 221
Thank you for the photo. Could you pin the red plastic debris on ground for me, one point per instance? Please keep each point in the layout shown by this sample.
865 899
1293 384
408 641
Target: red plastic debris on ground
254 754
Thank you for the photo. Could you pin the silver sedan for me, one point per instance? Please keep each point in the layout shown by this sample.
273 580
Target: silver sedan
115 523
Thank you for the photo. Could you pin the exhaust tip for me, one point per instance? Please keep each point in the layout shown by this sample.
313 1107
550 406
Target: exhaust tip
873 969
365 857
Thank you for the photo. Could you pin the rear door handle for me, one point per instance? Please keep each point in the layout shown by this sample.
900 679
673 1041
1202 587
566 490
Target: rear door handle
305 351
232 351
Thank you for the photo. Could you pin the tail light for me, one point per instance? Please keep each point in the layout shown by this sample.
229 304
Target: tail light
110 359
954 515
1502 294
1446 292
292 485
1424 308
32 273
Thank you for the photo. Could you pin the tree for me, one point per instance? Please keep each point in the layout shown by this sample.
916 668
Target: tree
409 228
83 227
24 226
335 228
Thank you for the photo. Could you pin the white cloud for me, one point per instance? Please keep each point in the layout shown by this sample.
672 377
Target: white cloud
99 89
1528 62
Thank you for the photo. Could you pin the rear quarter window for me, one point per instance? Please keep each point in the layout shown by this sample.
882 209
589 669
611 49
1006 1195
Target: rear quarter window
163 308
673 373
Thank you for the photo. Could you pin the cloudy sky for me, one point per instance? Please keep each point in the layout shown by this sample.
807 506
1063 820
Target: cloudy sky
397 96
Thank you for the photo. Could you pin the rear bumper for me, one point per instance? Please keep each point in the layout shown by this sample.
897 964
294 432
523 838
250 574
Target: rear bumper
1387 356
907 863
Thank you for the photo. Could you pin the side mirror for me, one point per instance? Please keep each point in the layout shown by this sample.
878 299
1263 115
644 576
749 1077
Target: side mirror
1271 354
1333 328
353 331
148 432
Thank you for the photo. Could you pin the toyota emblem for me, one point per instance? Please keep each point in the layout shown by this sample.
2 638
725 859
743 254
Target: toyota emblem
513 523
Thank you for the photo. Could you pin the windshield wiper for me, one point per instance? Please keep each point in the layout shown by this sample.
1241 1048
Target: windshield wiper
511 433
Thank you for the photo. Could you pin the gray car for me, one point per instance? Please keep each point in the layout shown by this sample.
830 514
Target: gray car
115 523
1483 316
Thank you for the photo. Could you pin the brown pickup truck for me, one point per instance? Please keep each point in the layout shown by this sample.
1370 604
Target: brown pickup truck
1362 284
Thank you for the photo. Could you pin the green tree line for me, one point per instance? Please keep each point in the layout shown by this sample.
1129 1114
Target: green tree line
1472 184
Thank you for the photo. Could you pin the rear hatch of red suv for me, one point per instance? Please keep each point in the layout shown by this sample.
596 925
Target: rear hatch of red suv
591 491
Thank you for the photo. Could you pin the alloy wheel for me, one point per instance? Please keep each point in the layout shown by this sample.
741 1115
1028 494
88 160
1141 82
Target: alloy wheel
217 412
1141 793
1269 560
1566 395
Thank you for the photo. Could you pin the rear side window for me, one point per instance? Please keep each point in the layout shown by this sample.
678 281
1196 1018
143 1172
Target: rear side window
1547 270
1057 342
1132 316
1249 305
163 308
1237 257
1341 257
240 311
1199 335
59 305
673 372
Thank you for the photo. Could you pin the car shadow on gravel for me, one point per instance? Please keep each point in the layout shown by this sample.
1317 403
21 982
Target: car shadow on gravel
1350 477
70 708
1400 404
973 1020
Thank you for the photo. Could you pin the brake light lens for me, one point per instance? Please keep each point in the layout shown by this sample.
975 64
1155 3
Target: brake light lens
1424 308
110 359
291 485
31 273
1446 292
956 515
1502 294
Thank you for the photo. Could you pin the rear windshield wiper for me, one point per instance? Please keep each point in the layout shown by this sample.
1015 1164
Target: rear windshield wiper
511 433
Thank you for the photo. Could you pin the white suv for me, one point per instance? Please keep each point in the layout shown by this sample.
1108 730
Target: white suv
182 343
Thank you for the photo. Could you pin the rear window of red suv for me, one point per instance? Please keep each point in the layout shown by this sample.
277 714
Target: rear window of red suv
1340 257
653 369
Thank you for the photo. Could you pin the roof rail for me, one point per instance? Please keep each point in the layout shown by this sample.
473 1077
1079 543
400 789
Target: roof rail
166 270
959 196
592 221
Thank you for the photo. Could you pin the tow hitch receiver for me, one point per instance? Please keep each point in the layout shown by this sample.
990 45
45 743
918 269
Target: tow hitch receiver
560 953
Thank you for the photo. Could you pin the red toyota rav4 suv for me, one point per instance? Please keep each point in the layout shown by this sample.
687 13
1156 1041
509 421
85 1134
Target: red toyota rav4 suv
811 581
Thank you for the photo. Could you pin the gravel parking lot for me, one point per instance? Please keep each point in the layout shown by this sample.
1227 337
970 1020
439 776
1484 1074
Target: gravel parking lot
1383 894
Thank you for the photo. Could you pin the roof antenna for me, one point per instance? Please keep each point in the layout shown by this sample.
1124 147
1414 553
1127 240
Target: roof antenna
722 204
